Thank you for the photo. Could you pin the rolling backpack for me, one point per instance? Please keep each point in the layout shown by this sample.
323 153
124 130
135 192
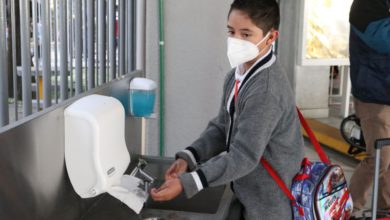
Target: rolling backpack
319 191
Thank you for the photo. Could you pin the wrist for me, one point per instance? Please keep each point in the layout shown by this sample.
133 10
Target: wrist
189 186
186 156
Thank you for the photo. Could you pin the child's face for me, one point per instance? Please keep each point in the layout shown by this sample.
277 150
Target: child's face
241 26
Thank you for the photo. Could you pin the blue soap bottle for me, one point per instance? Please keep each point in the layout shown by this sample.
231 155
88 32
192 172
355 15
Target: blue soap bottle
142 97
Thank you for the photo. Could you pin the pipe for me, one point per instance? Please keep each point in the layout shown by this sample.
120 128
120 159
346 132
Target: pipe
63 51
122 28
55 51
85 46
25 55
162 77
46 68
78 47
111 39
102 41
96 41
132 52
36 55
140 35
69 17
14 70
4 114
91 44
126 34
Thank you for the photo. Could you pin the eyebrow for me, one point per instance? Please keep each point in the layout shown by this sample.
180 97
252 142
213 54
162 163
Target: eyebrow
246 29
243 29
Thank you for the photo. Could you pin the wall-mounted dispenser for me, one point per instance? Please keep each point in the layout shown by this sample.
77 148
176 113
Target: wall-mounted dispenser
96 154
142 97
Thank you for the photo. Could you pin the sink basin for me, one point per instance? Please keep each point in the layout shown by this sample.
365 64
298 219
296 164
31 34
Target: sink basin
209 204
206 201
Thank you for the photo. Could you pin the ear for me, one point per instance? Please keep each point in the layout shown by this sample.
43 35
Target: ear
274 34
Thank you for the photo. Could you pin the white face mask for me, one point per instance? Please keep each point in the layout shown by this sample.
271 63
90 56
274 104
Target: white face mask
241 51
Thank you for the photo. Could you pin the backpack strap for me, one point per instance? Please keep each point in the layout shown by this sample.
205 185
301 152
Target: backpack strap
313 139
275 175
281 184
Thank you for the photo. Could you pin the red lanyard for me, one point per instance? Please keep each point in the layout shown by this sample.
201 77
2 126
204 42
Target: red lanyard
236 91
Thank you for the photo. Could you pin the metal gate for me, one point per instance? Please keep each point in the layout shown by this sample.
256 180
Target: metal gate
51 50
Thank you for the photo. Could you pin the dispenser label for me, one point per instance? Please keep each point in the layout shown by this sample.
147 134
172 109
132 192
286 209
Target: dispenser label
111 171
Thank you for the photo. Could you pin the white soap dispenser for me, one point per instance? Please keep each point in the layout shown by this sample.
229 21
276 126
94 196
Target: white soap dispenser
96 154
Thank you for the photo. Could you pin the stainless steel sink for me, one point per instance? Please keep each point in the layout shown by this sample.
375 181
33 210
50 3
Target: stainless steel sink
209 204
207 201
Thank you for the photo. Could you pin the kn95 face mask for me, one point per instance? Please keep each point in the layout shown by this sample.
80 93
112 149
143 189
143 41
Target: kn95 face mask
241 51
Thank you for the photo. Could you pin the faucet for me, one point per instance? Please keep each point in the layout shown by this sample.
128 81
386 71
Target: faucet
139 173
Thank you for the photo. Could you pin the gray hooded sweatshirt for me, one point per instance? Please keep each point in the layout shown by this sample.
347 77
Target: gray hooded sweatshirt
265 124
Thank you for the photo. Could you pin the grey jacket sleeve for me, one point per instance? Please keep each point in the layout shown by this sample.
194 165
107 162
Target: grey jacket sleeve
259 116
213 139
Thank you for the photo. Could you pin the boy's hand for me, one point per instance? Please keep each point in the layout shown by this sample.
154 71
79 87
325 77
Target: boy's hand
178 167
169 190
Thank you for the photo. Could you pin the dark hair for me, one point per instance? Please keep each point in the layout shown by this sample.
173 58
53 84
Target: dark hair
263 13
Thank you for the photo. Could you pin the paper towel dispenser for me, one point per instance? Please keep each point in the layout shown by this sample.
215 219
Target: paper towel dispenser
96 154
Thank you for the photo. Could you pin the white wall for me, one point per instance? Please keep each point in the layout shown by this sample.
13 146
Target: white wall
312 84
196 64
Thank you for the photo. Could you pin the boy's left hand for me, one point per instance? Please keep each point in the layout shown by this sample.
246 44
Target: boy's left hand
169 190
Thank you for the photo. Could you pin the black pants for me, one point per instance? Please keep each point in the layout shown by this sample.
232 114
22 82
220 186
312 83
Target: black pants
236 210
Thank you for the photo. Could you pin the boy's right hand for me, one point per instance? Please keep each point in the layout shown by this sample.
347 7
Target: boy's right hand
178 167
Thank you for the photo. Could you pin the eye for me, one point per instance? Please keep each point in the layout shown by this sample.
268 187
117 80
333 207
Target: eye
230 33
246 35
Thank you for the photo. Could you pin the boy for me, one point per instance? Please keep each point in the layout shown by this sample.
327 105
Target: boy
257 118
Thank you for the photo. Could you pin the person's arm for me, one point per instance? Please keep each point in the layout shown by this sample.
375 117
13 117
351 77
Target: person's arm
213 139
258 119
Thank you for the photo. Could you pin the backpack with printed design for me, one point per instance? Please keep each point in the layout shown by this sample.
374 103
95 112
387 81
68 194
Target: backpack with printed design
319 191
